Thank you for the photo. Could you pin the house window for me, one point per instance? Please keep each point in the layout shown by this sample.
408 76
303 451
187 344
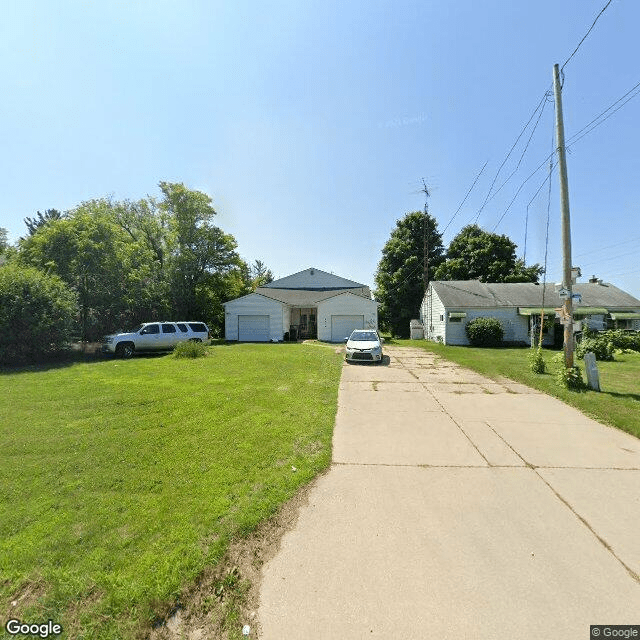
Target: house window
441 317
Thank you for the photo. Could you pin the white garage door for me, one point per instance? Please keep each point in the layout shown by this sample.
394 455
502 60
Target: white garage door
253 329
342 326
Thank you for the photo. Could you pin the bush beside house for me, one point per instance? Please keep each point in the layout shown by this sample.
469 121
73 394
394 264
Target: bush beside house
485 332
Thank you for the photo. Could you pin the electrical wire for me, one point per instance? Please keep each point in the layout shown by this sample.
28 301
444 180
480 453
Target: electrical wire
611 246
535 111
620 255
576 137
593 24
546 245
533 173
465 198
523 152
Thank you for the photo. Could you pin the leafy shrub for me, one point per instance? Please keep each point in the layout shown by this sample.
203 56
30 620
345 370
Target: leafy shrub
600 345
485 332
37 311
536 361
623 341
570 378
190 349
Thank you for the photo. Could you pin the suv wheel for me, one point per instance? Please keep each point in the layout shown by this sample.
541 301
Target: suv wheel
125 350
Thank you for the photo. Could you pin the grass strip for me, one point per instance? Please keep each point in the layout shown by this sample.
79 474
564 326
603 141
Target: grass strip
122 481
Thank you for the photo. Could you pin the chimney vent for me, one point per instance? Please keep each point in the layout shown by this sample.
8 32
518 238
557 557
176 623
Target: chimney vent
593 280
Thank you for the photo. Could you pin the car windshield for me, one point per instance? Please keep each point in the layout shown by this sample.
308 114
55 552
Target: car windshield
136 329
364 336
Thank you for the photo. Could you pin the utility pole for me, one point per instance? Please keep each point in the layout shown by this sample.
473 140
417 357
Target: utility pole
425 238
566 226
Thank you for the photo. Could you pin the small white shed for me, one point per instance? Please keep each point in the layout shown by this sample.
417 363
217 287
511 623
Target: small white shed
308 304
416 330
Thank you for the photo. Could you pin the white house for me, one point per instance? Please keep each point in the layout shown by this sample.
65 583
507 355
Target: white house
308 304
449 305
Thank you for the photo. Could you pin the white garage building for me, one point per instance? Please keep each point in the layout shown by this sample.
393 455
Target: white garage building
308 304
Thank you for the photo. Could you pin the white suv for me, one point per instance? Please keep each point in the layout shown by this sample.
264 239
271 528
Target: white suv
154 336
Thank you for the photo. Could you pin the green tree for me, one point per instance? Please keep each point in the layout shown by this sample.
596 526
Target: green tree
399 277
475 254
200 254
35 223
7 252
112 275
259 274
37 311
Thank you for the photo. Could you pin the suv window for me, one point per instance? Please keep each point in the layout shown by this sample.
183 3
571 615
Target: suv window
198 327
168 328
151 328
183 327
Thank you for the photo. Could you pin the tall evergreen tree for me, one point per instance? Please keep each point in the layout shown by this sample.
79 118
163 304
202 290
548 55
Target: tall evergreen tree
399 278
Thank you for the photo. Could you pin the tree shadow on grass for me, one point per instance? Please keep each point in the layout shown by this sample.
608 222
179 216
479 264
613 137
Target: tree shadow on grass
68 359
615 394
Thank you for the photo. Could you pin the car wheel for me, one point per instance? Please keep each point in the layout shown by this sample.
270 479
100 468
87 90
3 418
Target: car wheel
125 350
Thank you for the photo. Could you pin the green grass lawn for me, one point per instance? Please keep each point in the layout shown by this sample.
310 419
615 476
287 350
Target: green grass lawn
618 404
122 480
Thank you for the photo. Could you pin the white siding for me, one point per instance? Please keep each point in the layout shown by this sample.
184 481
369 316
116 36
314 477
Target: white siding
516 327
439 328
254 304
432 310
315 279
345 304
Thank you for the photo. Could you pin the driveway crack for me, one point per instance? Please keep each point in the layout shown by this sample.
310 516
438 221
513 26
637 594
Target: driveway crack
585 522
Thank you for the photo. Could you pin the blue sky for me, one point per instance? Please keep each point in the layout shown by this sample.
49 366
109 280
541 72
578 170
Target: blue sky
311 124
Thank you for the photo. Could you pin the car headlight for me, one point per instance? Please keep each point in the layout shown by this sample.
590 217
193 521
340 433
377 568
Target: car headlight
107 340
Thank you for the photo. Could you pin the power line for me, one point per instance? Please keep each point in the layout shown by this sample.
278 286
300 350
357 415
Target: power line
593 24
533 173
620 255
611 246
576 137
546 247
466 196
535 111
522 155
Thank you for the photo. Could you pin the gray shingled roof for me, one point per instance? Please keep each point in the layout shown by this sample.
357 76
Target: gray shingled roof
473 293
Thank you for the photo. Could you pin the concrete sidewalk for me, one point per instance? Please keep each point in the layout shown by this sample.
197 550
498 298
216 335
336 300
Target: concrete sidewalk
457 507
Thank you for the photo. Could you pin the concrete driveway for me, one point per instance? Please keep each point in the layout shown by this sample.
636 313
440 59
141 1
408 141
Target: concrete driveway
457 507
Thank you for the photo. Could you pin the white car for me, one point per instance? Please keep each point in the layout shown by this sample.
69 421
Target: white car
154 336
364 345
